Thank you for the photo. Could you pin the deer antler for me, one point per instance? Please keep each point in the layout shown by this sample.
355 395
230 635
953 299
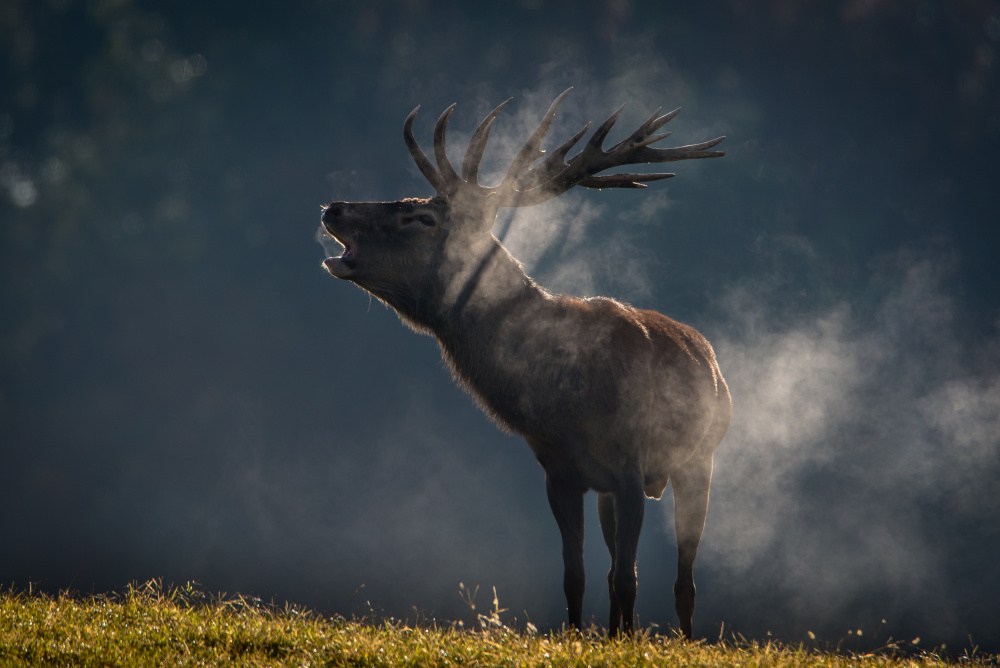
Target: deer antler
524 185
447 180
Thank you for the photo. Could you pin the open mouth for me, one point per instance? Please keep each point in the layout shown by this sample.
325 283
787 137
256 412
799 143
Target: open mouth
348 252
343 265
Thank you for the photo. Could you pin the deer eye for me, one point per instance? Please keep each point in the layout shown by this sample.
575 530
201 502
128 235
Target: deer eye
422 218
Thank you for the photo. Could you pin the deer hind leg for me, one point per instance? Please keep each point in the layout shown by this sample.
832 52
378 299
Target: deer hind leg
566 502
606 512
691 485
629 506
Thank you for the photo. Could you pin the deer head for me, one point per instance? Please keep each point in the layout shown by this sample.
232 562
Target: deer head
417 253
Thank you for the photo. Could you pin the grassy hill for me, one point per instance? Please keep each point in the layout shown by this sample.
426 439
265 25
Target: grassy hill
153 625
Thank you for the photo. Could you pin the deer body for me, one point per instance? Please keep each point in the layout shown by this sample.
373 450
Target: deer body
609 397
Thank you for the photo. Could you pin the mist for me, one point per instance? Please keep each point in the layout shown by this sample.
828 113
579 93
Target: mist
864 450
185 394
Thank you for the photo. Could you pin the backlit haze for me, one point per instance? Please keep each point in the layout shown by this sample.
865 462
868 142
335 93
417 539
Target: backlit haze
185 394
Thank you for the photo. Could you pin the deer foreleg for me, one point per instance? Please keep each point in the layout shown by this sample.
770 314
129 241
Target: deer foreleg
691 485
567 506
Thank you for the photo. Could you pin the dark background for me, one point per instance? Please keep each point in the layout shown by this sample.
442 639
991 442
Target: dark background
185 394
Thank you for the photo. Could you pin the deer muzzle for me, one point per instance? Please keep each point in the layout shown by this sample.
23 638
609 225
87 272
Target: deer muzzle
342 266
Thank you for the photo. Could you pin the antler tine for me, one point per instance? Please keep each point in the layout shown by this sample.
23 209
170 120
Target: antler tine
576 169
596 142
554 163
663 120
445 167
641 133
623 180
423 163
646 134
530 151
560 153
593 150
477 145
583 168
691 151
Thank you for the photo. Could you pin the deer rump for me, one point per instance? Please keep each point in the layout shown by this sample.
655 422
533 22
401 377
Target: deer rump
610 398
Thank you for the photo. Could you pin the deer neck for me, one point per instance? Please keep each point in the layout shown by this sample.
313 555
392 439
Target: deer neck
484 291
481 329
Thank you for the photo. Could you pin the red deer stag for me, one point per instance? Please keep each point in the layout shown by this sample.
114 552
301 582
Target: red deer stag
609 397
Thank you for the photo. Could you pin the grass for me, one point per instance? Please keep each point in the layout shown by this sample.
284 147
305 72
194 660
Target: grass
152 625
